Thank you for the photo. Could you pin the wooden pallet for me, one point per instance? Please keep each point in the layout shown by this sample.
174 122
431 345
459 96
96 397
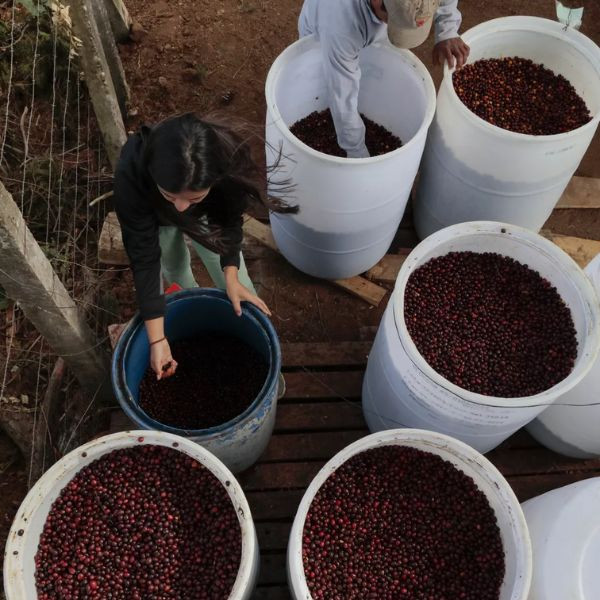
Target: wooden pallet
321 414
582 193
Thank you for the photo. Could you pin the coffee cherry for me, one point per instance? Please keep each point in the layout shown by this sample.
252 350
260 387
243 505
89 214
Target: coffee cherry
146 522
490 324
217 378
521 96
318 131
395 522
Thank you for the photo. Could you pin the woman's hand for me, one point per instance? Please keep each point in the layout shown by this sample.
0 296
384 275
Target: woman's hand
238 293
450 49
161 360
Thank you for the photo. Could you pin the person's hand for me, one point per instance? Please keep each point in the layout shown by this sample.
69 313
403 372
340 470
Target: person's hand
449 50
238 293
161 360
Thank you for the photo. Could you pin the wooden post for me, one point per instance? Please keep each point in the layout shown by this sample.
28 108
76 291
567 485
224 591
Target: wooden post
27 277
120 20
111 54
98 78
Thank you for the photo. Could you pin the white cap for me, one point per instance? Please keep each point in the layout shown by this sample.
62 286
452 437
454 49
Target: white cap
409 21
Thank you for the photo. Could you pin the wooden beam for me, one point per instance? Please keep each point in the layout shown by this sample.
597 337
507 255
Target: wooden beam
309 417
28 278
98 78
120 20
388 267
340 385
280 504
581 250
582 192
325 354
310 446
111 54
358 286
362 288
110 245
260 232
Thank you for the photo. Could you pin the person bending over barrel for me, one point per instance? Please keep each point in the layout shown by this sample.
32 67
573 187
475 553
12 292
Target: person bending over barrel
344 27
193 176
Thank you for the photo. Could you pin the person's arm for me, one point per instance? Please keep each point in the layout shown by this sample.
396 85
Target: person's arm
139 229
237 292
448 45
447 20
230 263
342 73
161 359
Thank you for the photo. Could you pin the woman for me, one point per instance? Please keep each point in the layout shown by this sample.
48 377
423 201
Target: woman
193 176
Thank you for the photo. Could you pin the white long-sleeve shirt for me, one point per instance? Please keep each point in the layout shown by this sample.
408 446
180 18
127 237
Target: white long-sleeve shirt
344 28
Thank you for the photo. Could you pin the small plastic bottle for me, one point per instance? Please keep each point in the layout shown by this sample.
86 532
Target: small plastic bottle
569 15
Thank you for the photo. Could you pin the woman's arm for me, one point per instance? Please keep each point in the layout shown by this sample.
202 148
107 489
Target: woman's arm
161 360
233 234
238 293
139 229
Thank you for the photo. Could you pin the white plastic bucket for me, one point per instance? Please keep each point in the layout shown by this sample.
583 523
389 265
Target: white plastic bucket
401 389
350 209
473 170
569 427
565 535
19 567
499 494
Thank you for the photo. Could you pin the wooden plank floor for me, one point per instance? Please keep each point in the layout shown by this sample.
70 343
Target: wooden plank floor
321 414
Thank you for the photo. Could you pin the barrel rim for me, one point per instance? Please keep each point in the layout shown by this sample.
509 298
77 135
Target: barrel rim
311 41
547 27
137 414
426 441
14 563
578 278
563 523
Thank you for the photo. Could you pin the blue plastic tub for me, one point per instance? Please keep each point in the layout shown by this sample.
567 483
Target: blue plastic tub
239 442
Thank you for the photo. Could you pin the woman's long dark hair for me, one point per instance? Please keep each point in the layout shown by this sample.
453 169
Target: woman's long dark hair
189 152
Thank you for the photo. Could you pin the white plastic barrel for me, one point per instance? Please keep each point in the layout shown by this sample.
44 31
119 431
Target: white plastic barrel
569 427
401 389
565 536
24 535
350 209
473 170
513 529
